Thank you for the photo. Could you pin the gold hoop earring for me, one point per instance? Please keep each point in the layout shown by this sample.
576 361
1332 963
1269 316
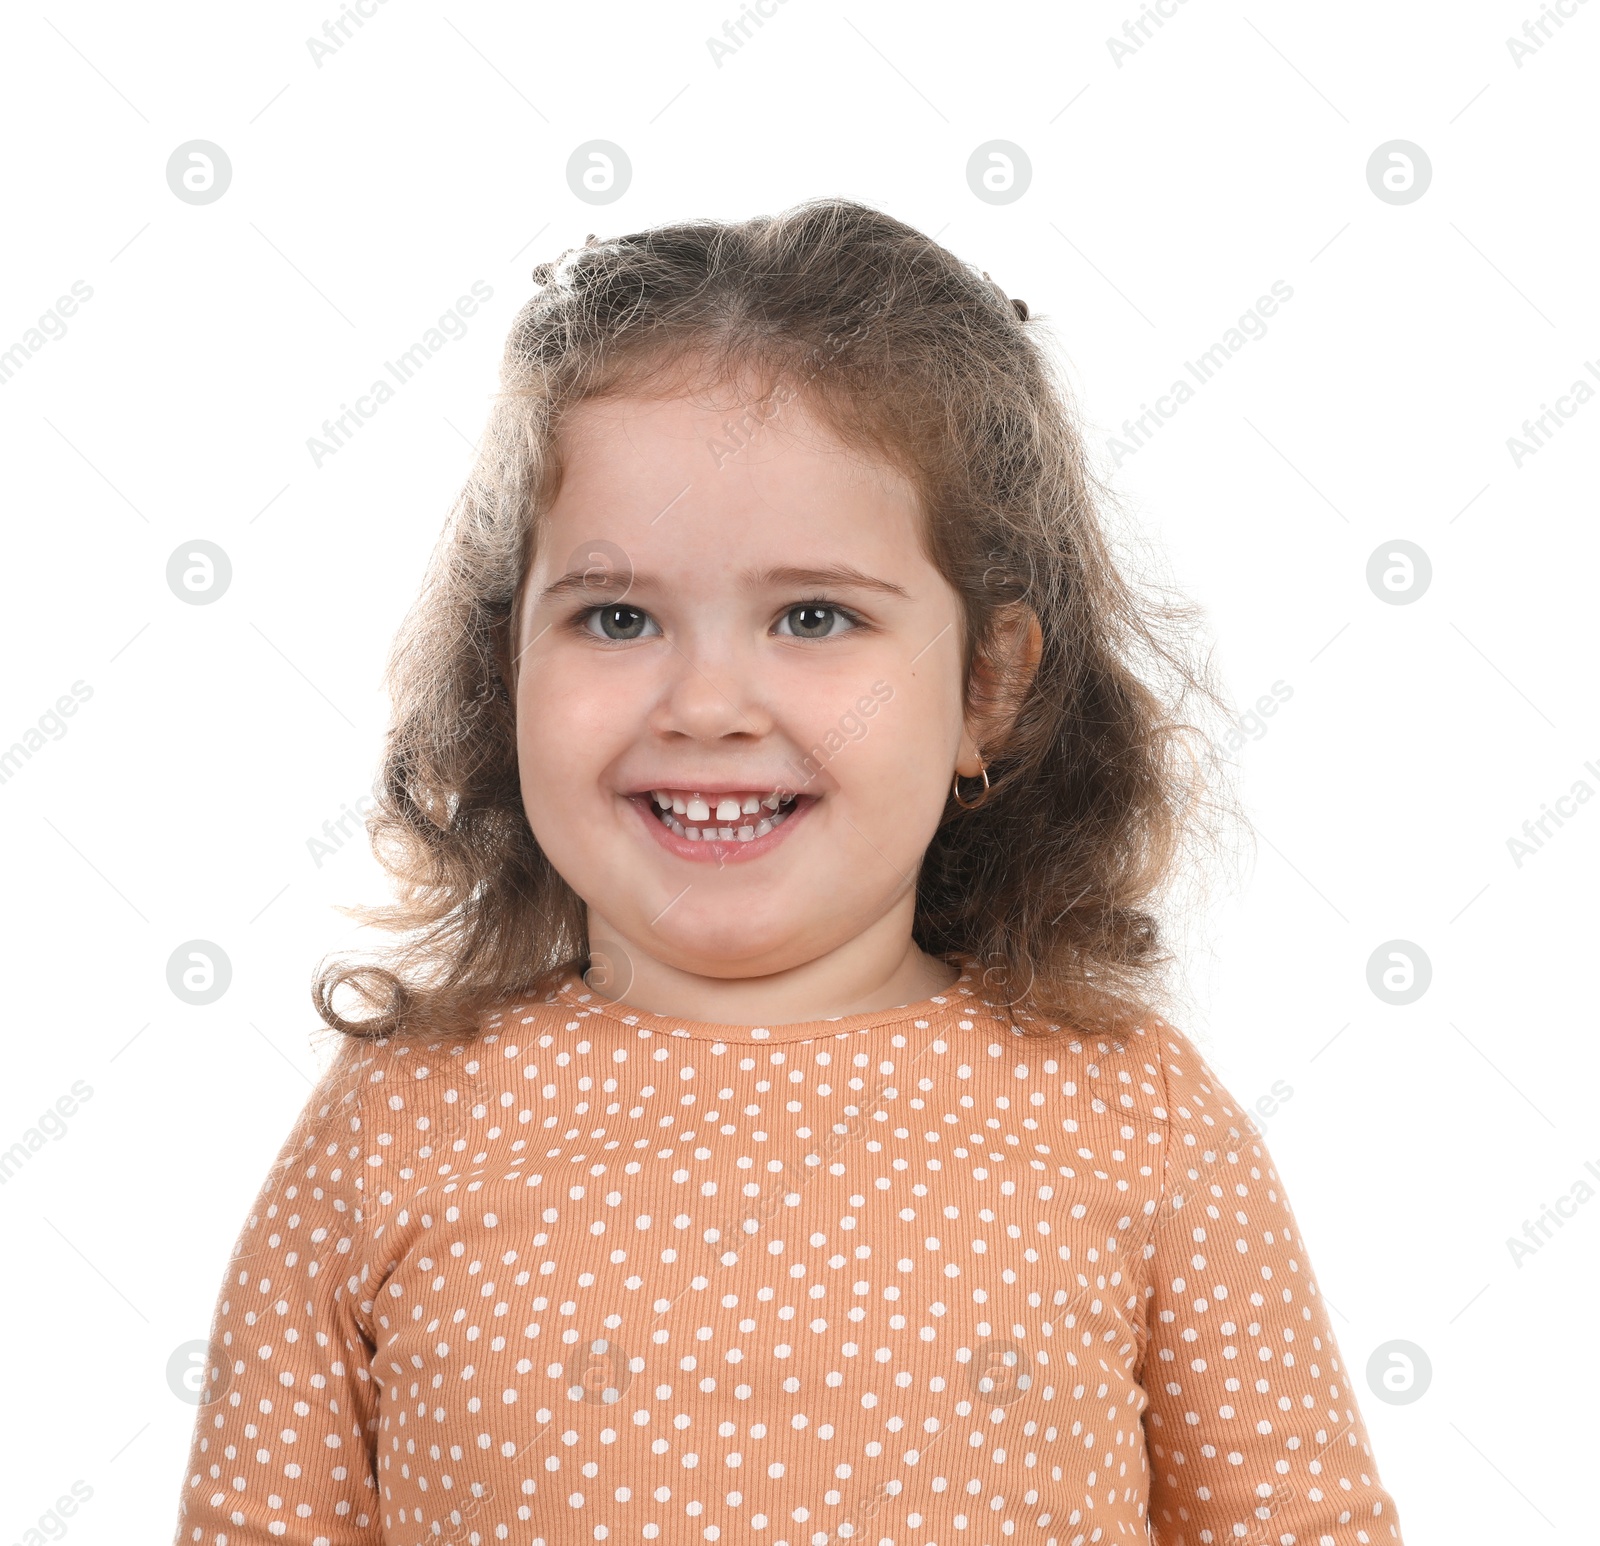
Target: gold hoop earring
970 805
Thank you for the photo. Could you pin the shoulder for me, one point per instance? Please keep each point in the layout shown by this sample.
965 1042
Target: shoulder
1191 1095
409 1095
377 1066
1132 1076
1207 1136
1157 1075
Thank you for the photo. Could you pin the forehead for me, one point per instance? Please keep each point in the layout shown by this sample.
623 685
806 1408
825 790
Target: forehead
721 466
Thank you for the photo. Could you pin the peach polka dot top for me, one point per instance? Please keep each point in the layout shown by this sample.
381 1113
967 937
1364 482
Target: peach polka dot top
906 1278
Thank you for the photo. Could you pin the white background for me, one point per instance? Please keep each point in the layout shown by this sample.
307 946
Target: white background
1167 194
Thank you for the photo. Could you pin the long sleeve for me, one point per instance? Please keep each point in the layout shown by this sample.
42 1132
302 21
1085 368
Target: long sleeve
1252 1426
281 1451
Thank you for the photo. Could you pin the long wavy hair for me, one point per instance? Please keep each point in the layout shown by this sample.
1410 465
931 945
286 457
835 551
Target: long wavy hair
913 355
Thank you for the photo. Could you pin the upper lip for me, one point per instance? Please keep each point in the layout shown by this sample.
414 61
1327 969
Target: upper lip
716 787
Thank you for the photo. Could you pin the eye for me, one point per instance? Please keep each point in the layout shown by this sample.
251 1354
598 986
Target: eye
815 620
619 623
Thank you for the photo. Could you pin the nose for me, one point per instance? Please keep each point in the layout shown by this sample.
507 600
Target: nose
712 690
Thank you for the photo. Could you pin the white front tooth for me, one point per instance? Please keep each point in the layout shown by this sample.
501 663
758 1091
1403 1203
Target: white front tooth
662 798
678 807
752 803
698 810
725 833
771 802
744 834
727 810
692 833
763 827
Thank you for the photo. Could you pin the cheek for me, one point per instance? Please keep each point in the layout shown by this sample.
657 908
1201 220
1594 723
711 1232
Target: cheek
568 728
908 745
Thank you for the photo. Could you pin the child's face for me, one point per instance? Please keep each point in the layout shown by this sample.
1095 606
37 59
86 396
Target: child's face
764 625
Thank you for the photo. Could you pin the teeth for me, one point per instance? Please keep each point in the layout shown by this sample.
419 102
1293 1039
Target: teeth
722 824
720 807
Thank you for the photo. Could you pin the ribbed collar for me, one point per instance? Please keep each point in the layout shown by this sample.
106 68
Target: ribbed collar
959 1001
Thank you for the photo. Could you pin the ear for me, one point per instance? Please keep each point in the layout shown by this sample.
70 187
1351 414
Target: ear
1002 676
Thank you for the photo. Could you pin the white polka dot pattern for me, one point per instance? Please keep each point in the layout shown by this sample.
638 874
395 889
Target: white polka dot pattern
903 1279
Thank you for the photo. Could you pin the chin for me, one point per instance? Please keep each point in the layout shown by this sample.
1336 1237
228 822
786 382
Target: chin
733 951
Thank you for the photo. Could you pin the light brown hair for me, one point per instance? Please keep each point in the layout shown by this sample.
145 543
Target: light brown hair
907 353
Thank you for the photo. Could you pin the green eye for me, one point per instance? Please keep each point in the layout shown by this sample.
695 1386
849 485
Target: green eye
619 622
813 620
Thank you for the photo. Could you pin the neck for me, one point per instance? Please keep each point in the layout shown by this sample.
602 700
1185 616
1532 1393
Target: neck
877 969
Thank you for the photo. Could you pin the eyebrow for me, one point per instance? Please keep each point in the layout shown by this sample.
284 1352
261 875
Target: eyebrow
832 574
754 579
578 580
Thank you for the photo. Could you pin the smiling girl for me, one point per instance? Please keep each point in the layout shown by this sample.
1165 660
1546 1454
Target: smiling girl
765 1129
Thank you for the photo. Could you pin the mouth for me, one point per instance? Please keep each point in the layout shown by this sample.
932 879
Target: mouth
728 816
720 826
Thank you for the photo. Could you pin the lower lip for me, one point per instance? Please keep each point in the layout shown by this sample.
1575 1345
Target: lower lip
715 850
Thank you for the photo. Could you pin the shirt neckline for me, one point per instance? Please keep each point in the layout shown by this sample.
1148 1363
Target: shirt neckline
961 997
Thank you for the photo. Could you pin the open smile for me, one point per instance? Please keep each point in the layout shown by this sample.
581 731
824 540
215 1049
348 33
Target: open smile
720 825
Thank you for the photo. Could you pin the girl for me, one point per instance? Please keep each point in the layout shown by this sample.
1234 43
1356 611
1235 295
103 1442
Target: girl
763 1130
